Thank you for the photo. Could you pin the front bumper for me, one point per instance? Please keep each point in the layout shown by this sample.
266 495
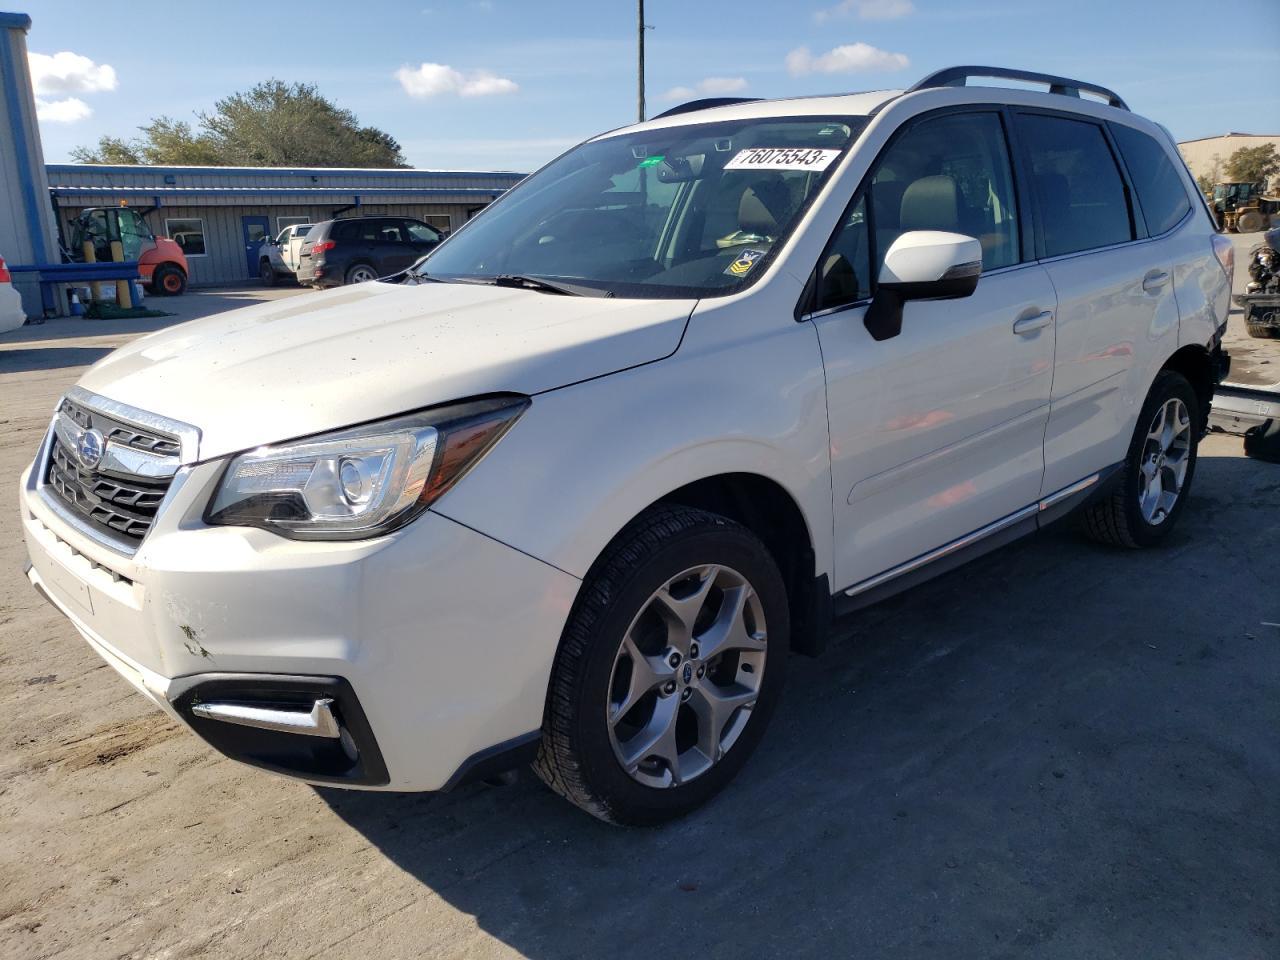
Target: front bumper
444 637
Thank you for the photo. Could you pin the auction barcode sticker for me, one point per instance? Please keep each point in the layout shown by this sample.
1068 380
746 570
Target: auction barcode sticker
782 158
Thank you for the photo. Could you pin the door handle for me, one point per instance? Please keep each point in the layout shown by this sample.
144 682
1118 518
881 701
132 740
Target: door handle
1154 281
1027 325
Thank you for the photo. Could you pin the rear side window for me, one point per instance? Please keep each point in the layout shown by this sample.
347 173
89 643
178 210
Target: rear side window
1160 191
1078 186
346 230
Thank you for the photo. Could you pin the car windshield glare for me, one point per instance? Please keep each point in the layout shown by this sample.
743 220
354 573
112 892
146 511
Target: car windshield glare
689 211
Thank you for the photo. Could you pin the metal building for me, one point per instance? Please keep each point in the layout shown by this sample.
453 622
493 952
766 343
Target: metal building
219 215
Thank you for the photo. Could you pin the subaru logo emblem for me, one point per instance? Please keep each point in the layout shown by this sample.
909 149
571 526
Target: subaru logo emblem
90 447
688 673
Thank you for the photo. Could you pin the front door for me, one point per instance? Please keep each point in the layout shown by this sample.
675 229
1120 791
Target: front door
937 432
255 230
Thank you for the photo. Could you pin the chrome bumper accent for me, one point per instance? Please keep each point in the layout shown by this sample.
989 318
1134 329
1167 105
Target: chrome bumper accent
320 722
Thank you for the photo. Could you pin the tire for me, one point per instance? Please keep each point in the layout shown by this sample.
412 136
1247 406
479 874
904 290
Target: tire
600 708
360 273
1130 516
1250 222
267 273
1256 328
169 281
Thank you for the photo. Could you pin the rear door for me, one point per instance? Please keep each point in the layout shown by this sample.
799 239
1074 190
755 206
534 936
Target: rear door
1115 291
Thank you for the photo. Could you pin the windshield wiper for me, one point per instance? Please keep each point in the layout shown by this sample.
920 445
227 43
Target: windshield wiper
548 286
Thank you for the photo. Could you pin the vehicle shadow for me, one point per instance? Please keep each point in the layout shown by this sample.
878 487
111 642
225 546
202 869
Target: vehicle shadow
1054 749
49 358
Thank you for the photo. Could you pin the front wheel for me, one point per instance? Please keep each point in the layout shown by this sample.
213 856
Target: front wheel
267 273
1157 472
669 668
169 280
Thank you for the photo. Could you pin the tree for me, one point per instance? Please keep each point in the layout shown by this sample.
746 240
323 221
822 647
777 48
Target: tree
272 125
1253 164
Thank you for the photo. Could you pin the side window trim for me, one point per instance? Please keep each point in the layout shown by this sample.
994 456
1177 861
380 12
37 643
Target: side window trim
804 309
1137 227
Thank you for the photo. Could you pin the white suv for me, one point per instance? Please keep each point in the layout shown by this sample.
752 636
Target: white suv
571 490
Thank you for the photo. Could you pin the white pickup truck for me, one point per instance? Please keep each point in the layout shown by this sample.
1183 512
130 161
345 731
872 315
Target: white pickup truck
279 257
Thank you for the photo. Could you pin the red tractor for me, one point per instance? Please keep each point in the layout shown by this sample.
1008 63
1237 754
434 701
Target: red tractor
161 262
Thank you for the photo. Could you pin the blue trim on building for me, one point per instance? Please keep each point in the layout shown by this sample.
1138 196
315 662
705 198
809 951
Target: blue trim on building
80 168
320 193
19 21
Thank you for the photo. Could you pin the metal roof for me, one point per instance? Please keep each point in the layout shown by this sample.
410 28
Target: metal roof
398 172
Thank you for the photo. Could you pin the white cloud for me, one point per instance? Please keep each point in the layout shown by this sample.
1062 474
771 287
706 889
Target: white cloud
850 58
434 79
67 72
62 111
710 87
866 10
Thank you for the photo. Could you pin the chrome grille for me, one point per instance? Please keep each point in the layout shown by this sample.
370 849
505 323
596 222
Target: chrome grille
124 433
118 496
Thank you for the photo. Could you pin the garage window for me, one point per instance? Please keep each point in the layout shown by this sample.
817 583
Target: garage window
188 234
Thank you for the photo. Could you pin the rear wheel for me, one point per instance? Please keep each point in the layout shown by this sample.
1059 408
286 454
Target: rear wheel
168 280
361 273
1157 473
668 671
1249 222
267 273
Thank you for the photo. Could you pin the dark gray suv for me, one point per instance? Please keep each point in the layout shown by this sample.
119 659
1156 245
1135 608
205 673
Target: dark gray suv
361 249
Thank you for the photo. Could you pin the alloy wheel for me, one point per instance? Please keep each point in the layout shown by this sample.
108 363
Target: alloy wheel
686 676
1166 455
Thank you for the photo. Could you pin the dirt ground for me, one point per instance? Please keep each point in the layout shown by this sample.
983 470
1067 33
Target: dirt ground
1058 751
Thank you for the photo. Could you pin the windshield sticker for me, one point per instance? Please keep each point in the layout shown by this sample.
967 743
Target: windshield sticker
743 264
651 161
782 158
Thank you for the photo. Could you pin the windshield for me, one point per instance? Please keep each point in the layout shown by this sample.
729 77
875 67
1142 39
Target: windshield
689 211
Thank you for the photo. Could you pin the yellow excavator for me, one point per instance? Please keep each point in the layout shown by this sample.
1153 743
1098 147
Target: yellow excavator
1242 207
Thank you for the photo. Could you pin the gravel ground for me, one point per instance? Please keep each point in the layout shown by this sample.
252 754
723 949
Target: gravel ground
1057 751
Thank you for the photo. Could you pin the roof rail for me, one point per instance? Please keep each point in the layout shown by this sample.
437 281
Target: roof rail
957 77
704 104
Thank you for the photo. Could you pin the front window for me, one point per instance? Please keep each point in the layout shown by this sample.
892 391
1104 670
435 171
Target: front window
689 211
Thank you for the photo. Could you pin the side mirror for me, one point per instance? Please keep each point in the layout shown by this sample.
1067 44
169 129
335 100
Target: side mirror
922 265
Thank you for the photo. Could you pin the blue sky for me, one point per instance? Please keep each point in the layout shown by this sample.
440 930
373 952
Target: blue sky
501 84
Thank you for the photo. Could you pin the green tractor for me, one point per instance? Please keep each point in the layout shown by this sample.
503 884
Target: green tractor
1242 207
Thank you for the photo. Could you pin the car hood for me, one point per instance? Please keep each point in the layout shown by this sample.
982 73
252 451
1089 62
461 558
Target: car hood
321 361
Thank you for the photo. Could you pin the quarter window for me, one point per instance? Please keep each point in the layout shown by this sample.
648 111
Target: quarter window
187 234
1078 186
1160 190
844 273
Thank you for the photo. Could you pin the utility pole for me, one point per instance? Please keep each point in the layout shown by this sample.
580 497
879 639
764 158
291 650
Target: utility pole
640 61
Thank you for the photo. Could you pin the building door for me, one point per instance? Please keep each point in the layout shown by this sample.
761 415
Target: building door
256 229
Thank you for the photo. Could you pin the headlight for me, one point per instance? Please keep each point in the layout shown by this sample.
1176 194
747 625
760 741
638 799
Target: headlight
362 482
